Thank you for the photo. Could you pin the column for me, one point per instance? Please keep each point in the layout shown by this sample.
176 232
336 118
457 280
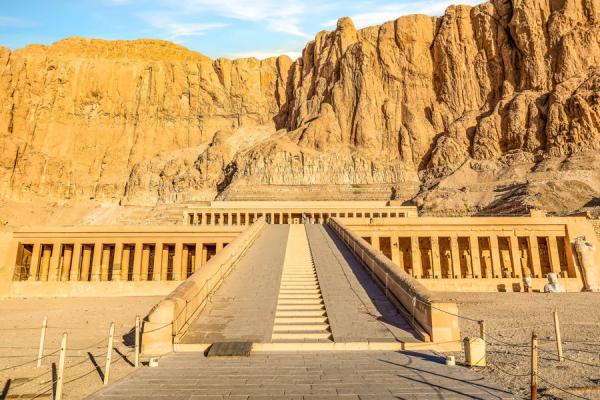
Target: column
535 256
96 259
375 242
34 269
117 262
455 253
76 262
204 256
67 261
417 266
185 254
125 263
45 262
158 261
164 263
177 262
54 260
85 263
198 257
105 263
247 218
572 270
475 260
554 257
515 256
495 250
137 262
219 247
395 250
145 263
436 265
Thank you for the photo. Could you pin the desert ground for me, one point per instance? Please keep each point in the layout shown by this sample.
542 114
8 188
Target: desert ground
510 319
87 322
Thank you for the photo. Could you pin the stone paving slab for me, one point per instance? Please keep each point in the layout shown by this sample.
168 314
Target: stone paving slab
357 307
243 308
335 375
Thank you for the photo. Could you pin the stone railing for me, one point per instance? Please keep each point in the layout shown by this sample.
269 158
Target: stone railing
434 319
169 320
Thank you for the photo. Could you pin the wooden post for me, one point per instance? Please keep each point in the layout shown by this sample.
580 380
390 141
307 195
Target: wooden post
137 341
42 340
534 365
558 340
482 330
61 367
111 335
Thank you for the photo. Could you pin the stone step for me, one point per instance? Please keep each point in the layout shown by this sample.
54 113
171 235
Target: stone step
300 320
300 327
300 307
301 336
313 313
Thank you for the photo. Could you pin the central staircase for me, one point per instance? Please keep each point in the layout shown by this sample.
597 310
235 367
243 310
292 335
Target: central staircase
301 315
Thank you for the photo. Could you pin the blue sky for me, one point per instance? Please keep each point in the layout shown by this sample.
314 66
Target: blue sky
216 28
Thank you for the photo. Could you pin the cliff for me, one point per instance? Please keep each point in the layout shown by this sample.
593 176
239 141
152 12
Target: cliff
493 108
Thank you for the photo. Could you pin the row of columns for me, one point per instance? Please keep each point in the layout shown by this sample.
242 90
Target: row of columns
279 217
511 261
102 261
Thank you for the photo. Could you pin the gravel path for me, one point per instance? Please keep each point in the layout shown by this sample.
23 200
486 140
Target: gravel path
510 320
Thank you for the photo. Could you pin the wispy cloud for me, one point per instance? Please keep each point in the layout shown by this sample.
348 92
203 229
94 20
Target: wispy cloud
11 22
278 15
386 12
261 55
174 29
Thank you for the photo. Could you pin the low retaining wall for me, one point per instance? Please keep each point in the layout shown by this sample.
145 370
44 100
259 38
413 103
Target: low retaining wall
91 289
494 285
169 320
436 317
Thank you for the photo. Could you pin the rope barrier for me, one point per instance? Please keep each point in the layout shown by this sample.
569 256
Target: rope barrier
562 390
28 362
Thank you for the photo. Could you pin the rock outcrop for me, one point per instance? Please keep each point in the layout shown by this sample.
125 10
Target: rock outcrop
493 108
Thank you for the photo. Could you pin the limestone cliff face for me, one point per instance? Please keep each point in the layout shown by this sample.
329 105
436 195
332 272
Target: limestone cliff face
485 104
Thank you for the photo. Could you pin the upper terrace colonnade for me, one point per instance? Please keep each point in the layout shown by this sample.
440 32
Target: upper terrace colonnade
290 212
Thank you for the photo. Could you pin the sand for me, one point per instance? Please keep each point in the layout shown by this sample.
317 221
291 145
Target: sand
511 318
87 321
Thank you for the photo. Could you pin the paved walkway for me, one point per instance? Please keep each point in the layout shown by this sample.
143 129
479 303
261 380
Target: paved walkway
358 309
243 308
303 376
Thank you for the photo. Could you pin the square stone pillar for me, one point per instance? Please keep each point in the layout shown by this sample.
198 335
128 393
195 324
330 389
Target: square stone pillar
535 256
96 262
515 256
495 250
395 250
164 263
125 263
76 262
105 266
198 257
145 267
247 222
85 263
417 265
45 262
177 261
34 268
219 246
54 261
375 242
185 255
455 251
436 265
158 261
137 262
67 263
117 261
475 259
554 256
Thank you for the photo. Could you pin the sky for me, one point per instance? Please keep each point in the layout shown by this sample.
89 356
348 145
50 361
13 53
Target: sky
216 28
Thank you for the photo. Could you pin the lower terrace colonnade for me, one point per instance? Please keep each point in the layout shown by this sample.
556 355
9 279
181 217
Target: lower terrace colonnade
114 254
291 212
480 247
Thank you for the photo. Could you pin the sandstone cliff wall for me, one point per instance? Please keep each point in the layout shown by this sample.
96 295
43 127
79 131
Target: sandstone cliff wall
493 108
